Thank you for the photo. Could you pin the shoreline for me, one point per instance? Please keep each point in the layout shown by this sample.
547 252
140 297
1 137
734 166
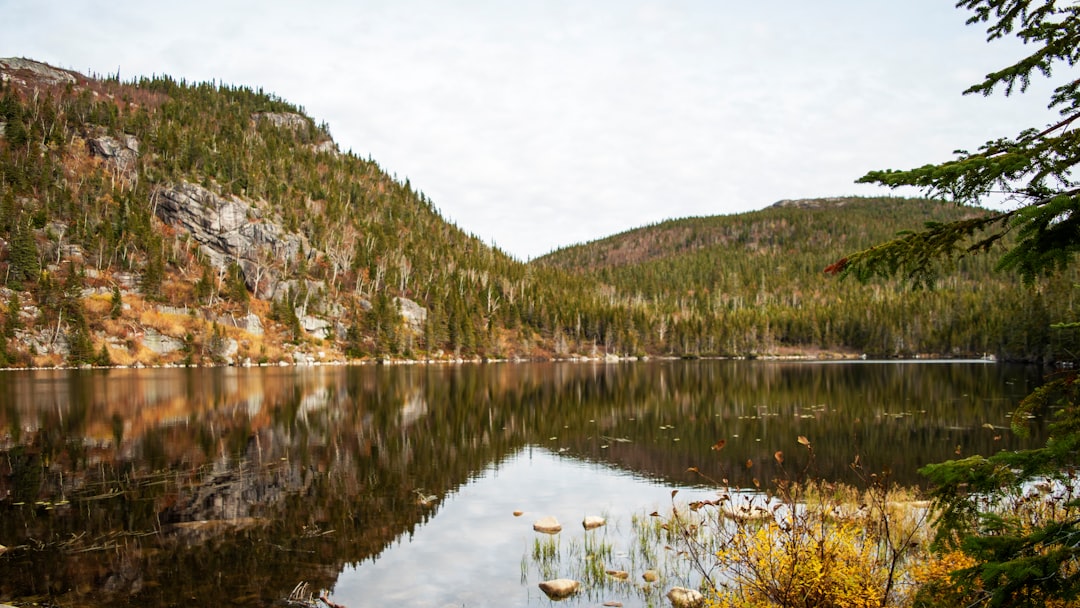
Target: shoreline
831 357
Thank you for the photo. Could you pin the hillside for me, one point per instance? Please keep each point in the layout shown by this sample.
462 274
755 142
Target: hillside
165 222
753 283
157 221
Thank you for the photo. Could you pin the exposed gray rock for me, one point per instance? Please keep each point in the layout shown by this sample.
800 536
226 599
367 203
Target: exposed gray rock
811 203
73 253
44 342
231 230
121 155
415 315
225 350
126 280
250 323
160 343
315 326
325 147
10 66
174 310
282 120
313 288
88 292
300 358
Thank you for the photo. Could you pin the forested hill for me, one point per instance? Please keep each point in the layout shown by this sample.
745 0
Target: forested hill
819 227
160 221
754 282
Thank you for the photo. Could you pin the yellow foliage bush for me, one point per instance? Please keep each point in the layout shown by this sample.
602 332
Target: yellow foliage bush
933 578
815 544
826 565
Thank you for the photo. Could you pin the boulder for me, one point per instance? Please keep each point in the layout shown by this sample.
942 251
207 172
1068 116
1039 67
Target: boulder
681 597
560 588
249 322
302 358
650 576
622 575
120 155
593 521
414 315
160 343
325 147
225 350
317 327
547 525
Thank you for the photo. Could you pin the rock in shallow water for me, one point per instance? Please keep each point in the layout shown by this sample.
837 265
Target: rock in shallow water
685 598
547 525
559 588
593 521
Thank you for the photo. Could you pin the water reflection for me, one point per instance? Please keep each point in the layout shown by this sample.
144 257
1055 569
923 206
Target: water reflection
153 487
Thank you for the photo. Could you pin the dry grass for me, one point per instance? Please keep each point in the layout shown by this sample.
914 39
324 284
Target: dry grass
166 323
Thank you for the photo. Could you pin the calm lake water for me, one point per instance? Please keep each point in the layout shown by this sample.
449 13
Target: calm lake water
398 485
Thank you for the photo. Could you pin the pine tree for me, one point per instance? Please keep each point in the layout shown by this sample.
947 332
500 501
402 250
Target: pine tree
23 257
1019 562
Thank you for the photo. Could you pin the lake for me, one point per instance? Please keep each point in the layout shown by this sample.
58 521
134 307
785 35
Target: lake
398 485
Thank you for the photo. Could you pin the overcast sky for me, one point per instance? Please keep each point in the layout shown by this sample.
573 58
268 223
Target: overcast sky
535 124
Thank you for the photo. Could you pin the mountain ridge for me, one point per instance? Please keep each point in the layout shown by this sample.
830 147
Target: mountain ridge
163 222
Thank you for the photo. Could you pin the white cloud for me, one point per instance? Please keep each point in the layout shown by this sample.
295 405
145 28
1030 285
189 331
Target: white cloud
535 124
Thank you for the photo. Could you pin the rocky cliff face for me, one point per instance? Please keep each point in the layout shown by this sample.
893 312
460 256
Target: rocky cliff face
233 231
15 68
165 222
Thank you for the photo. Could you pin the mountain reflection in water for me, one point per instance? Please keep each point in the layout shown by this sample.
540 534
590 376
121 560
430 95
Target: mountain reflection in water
198 486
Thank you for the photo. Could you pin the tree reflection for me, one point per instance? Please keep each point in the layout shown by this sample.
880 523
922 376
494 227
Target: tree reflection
159 487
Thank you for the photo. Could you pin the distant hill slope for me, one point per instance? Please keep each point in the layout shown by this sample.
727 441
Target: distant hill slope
820 227
753 283
159 221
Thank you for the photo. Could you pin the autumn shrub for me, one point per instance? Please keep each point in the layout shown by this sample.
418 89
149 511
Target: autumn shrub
935 583
773 564
807 543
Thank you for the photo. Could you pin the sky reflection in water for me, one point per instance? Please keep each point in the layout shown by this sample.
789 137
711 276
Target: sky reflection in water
470 553
241 483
